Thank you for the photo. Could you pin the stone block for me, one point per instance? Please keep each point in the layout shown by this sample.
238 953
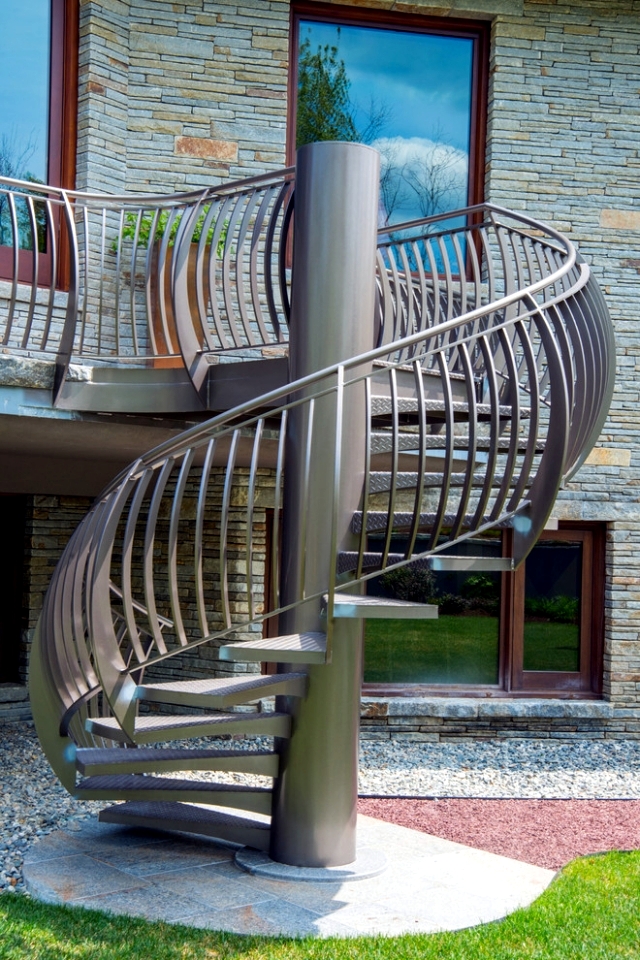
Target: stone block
609 457
206 149
620 219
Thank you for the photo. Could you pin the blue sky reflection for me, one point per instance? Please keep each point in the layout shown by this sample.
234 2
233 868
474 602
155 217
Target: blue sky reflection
423 82
24 82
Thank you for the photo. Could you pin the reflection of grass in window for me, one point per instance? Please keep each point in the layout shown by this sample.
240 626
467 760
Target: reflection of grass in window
452 649
551 646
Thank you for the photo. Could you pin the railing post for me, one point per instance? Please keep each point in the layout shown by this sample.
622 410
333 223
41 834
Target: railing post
332 319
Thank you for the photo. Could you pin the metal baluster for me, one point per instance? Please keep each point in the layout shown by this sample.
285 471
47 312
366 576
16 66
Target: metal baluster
172 562
253 470
393 482
224 526
53 247
198 541
149 540
127 551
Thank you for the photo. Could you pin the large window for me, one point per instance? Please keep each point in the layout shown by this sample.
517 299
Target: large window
38 70
412 87
538 631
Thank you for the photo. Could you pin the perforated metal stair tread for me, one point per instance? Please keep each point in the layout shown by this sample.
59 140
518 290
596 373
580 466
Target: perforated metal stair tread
135 781
381 406
187 818
380 608
225 691
293 648
154 728
380 480
377 520
382 442
138 787
348 560
92 761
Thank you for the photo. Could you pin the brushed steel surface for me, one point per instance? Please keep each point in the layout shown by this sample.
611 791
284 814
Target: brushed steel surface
166 815
156 729
308 647
220 693
332 308
380 608
91 761
137 787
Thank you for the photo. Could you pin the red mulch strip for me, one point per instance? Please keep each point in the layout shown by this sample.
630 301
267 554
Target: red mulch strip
547 833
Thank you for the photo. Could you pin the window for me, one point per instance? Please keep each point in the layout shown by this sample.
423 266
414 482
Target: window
412 87
536 632
556 615
38 76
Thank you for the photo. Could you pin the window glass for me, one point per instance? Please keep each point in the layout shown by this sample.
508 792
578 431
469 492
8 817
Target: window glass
24 80
406 93
552 606
25 42
461 646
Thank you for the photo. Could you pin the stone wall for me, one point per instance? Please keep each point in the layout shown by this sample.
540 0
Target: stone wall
178 96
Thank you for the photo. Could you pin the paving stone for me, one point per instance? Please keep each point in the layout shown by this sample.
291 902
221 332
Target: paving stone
428 884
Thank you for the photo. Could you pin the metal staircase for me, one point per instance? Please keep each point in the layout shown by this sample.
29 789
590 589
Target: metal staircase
445 381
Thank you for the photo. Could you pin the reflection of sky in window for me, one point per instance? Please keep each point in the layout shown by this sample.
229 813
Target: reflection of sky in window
24 81
423 81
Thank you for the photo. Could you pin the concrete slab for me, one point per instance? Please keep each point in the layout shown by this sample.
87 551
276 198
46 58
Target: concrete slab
429 884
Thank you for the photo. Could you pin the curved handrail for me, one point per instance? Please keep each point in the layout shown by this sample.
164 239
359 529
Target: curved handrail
118 256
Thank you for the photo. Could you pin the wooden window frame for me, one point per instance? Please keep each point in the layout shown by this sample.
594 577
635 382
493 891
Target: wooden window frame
513 681
477 31
588 679
62 136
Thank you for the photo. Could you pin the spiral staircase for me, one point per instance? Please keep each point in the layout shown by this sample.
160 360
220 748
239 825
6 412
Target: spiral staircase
445 378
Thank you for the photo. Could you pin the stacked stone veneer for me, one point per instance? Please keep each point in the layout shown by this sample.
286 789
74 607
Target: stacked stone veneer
178 96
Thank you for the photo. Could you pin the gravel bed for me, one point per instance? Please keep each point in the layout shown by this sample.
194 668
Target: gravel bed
33 803
536 769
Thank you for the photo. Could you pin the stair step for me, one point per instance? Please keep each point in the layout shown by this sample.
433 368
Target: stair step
154 729
377 520
135 786
220 693
351 607
294 648
166 815
380 480
93 760
382 406
382 442
348 560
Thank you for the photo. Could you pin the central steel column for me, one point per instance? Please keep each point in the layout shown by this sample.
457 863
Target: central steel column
332 319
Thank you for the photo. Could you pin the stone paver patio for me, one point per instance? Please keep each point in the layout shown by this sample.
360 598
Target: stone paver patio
428 885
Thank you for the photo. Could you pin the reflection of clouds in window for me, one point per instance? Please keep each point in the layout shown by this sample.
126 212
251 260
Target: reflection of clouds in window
420 177
409 96
425 78
24 79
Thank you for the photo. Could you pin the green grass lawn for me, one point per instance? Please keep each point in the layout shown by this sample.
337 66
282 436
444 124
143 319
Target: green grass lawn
450 649
590 912
459 649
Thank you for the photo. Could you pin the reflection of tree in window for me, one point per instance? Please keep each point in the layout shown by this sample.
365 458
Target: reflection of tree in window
422 172
25 75
324 108
14 163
